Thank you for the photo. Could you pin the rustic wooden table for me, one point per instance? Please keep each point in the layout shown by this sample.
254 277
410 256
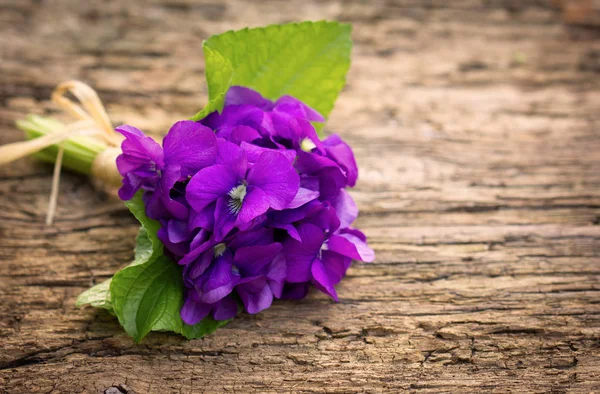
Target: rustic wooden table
477 129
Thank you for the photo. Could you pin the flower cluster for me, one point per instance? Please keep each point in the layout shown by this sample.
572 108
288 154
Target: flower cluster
251 203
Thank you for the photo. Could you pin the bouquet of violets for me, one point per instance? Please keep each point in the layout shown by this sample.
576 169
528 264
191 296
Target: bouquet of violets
244 203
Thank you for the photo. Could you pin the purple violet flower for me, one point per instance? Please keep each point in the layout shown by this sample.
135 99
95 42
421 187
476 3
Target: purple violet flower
238 193
187 148
256 271
251 203
260 117
321 258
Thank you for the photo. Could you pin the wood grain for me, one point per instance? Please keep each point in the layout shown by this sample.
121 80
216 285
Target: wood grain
476 128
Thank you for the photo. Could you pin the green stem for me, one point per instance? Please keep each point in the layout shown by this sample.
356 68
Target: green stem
80 151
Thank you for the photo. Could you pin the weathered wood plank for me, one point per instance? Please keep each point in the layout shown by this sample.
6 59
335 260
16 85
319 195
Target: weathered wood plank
476 126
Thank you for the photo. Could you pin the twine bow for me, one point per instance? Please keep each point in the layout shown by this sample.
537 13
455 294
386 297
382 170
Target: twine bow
91 120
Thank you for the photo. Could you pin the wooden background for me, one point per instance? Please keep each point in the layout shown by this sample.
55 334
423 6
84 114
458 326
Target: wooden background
476 127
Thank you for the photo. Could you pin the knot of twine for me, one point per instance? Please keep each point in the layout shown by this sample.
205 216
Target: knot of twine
91 119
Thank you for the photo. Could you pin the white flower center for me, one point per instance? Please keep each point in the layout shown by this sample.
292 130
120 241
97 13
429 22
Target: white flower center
219 249
236 196
307 145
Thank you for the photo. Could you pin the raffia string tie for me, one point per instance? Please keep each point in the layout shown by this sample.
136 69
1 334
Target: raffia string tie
91 119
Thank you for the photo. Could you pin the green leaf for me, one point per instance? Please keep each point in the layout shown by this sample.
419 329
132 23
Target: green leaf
147 296
307 60
98 296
